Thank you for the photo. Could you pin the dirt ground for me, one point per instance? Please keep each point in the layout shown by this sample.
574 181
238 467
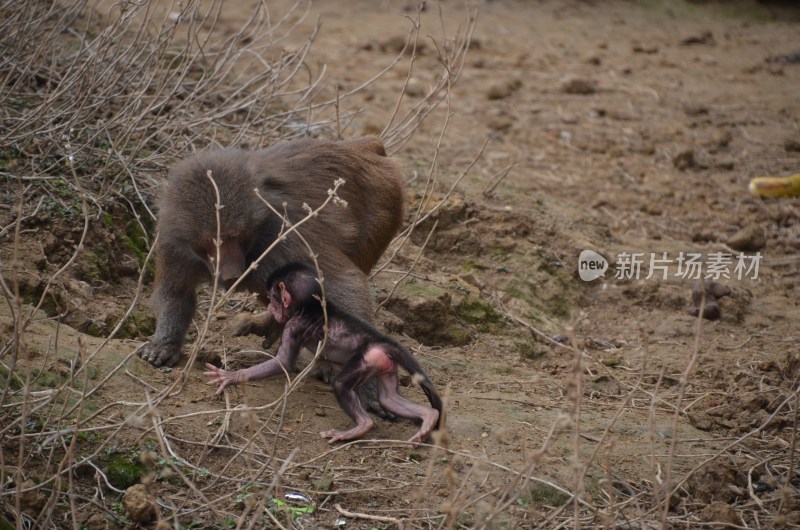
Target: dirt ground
618 127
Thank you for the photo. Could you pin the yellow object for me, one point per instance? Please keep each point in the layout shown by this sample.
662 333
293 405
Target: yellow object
776 186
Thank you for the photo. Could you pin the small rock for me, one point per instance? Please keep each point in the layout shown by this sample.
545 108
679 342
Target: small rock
139 504
576 85
621 114
475 43
97 522
713 292
700 420
675 327
725 164
391 322
645 48
80 288
471 279
503 89
695 109
411 7
703 235
561 339
719 139
712 289
720 512
318 411
372 128
685 160
711 311
652 208
774 69
753 69
788 58
501 123
396 44
769 365
749 239
715 481
792 144
569 118
705 37
717 289
414 88
32 501
754 402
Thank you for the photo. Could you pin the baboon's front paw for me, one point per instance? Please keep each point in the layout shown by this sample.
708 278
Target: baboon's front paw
159 355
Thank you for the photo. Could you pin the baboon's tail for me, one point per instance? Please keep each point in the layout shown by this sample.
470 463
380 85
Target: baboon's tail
412 366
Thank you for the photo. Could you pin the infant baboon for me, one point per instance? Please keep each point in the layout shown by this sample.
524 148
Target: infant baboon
361 350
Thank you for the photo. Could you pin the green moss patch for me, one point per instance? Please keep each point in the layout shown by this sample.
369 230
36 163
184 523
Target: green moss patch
479 314
123 471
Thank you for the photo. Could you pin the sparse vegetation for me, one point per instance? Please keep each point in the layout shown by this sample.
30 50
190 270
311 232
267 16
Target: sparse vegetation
569 404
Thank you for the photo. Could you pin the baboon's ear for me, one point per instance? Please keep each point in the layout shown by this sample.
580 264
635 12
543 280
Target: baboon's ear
286 296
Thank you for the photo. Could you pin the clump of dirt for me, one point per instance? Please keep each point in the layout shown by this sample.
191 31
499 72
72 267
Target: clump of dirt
717 481
139 505
706 296
32 502
720 512
427 313
755 398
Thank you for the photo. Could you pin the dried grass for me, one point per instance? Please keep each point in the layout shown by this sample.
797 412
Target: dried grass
94 106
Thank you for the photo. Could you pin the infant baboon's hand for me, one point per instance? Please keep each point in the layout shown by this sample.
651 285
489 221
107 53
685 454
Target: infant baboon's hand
218 376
